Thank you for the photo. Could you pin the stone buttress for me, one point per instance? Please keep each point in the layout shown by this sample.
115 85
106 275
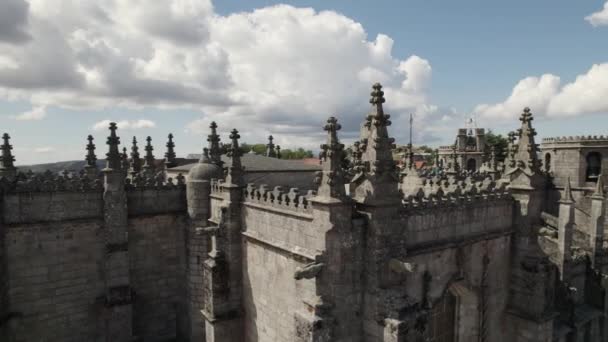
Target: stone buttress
531 311
333 313
222 271
118 296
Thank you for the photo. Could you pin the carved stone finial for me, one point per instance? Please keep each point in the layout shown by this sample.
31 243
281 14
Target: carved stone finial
170 154
91 158
205 156
379 181
113 157
332 178
125 159
215 152
235 169
526 155
278 149
270 150
149 158
377 98
7 160
135 166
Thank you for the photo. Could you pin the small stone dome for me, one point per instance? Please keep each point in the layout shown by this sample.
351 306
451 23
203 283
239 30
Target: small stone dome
205 171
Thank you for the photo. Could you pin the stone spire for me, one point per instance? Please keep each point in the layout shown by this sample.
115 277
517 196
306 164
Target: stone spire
332 179
91 158
125 159
567 195
379 152
526 156
170 154
379 183
270 151
511 149
278 148
113 158
565 227
411 182
90 169
215 152
149 158
599 188
235 169
205 157
7 160
135 159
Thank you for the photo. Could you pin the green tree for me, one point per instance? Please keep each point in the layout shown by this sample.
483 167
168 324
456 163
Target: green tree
499 142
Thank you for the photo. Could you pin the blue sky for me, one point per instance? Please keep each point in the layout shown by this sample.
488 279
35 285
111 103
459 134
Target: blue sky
268 69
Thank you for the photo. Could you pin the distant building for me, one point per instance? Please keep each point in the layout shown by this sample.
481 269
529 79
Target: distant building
470 149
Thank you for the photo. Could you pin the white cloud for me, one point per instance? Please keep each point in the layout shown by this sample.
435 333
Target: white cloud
599 18
37 113
546 96
44 149
279 69
124 124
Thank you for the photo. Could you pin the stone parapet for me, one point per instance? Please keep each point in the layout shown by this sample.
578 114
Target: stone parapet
51 206
578 138
278 198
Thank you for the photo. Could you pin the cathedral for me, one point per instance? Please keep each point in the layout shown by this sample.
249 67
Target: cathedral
365 251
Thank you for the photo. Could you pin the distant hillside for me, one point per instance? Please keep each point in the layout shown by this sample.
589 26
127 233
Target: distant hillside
77 165
72 165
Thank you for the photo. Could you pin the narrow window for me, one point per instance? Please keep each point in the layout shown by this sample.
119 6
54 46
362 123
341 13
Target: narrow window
471 165
594 166
548 162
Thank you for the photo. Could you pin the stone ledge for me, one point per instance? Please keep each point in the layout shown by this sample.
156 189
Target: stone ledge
453 242
279 211
301 256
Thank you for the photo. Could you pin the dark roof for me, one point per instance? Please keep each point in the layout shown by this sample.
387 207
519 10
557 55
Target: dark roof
258 163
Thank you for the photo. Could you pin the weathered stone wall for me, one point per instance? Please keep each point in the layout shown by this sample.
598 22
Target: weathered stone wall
157 255
54 251
276 242
460 270
27 207
271 296
287 229
456 223
568 158
55 280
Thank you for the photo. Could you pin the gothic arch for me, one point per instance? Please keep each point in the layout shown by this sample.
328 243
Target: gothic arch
454 315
